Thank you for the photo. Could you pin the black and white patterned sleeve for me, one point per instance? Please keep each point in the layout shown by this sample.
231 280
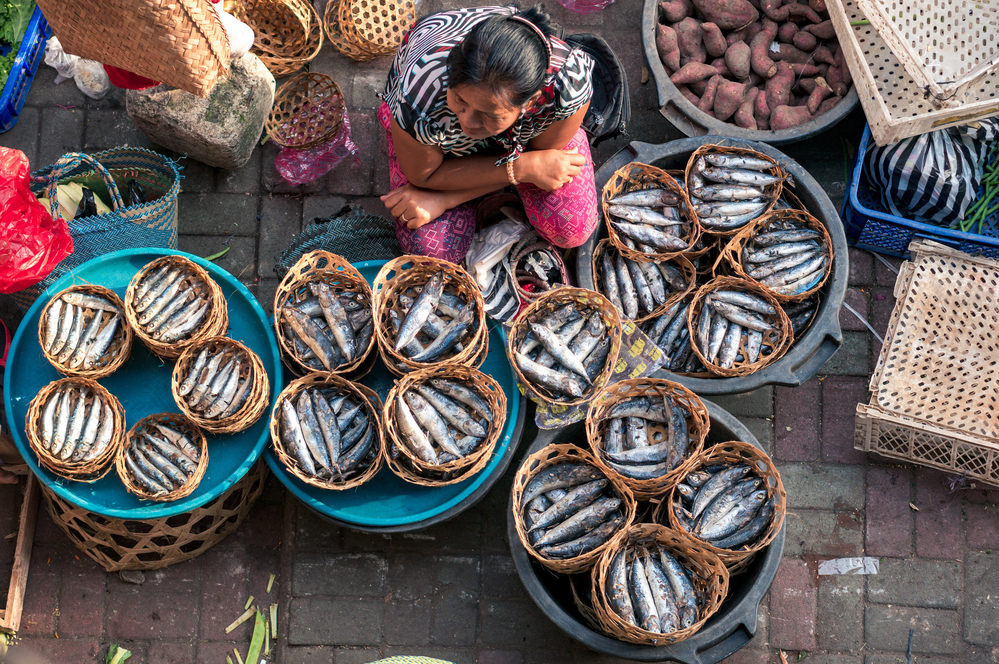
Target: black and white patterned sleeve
573 84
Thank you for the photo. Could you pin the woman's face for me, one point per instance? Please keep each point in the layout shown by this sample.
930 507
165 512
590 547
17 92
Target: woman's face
481 112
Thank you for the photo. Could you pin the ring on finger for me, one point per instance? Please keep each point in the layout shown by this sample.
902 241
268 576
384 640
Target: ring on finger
403 218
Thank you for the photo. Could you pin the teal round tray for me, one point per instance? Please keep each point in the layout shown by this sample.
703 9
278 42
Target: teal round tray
142 385
386 503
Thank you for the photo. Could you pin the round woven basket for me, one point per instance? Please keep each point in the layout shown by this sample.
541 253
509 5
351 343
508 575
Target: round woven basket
81 471
215 322
778 342
398 277
365 29
362 394
520 250
733 453
708 576
289 33
680 262
656 389
415 469
552 456
341 276
121 344
177 422
586 301
732 253
308 111
260 389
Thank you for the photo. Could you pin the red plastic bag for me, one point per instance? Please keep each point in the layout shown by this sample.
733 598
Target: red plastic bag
31 242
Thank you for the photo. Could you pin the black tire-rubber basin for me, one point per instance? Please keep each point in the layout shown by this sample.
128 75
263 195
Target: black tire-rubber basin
823 337
732 627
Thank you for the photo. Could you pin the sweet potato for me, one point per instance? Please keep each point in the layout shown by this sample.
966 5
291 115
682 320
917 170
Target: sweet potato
772 10
804 40
798 12
744 116
728 14
819 94
692 72
823 30
818 6
759 58
714 40
688 95
779 87
721 67
804 69
787 117
676 10
786 32
828 104
688 35
737 58
834 77
708 98
824 55
668 48
806 84
761 112
751 31
841 63
789 53
728 99
754 80
698 87
735 36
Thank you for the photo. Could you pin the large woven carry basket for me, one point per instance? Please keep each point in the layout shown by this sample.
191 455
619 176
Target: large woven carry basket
126 544
181 42
121 344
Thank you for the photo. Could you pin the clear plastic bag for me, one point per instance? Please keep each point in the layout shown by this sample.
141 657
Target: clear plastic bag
303 166
89 76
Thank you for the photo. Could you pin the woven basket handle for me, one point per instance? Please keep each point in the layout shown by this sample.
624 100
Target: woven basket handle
66 164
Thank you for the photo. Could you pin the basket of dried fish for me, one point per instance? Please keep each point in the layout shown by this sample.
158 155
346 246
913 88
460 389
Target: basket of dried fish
82 332
566 510
564 345
730 187
164 457
648 431
171 303
737 327
221 385
788 252
322 315
325 430
655 587
647 213
641 290
669 332
75 426
732 502
428 312
445 422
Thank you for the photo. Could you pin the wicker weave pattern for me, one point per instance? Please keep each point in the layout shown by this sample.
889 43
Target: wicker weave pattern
308 111
679 261
121 344
289 33
366 29
178 423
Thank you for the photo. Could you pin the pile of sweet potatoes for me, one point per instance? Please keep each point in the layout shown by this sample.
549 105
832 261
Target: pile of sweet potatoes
762 64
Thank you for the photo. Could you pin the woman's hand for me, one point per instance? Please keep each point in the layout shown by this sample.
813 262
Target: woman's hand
415 207
550 169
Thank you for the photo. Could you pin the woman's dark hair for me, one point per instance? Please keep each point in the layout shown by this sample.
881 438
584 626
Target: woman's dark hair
504 55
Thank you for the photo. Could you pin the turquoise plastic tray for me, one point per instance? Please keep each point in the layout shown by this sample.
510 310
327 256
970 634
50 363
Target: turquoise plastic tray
386 502
142 385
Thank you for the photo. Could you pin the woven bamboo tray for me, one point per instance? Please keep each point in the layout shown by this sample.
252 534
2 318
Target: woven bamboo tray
216 320
179 423
680 262
708 576
121 344
260 389
552 456
656 389
365 29
308 111
361 393
80 471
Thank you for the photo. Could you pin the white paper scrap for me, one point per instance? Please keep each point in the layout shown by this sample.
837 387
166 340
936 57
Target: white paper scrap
849 566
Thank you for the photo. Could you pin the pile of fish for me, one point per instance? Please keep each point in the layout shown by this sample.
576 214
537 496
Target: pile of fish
652 218
161 459
218 384
77 424
638 288
570 509
329 329
671 334
786 256
79 329
442 420
731 322
171 303
330 434
540 268
728 190
627 446
724 505
433 323
564 352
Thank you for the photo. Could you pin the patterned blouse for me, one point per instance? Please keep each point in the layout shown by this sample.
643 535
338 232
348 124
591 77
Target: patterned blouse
416 90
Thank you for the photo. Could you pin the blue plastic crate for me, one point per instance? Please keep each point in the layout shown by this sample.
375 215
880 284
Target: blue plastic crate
29 56
869 226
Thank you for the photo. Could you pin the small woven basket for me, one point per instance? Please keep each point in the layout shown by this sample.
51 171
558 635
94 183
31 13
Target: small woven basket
708 576
586 301
121 345
80 471
289 33
215 323
179 423
418 471
308 111
314 267
260 389
778 342
532 243
547 457
361 393
366 29
680 262
657 389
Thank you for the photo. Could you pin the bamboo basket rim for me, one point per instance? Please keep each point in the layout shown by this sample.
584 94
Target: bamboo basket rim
266 41
476 361
336 36
199 472
305 85
686 266
281 63
400 22
121 343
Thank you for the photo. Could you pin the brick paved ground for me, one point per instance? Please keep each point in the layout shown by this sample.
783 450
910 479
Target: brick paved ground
452 591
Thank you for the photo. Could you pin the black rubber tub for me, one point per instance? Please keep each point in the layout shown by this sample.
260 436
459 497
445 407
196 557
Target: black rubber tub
823 337
724 633
694 122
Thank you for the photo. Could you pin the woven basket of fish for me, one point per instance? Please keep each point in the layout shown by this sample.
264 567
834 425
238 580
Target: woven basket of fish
564 345
322 316
82 332
737 327
581 586
647 431
164 457
641 290
730 187
802 313
445 421
326 431
669 332
788 252
538 266
647 213
221 385
172 303
75 426
731 502
654 586
567 510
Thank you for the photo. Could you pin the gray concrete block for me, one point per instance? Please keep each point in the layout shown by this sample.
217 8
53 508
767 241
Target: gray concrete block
352 575
455 617
916 582
280 221
981 611
62 132
834 534
334 621
840 613
937 631
24 136
217 214
823 487
240 261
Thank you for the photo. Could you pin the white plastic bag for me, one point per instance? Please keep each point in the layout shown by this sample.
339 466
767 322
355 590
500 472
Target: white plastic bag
89 75
62 62
488 261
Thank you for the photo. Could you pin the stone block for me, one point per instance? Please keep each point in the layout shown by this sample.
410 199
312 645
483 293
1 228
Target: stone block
81 601
241 259
852 358
823 487
136 615
170 653
308 655
856 298
916 582
220 130
345 575
889 526
334 621
792 607
321 207
981 611
455 616
461 571
223 592
883 275
499 577
796 422
63 132
861 267
410 576
834 534
938 521
936 631
839 613
24 136
981 527
758 403
408 623
111 128
356 656
840 396
500 657
514 624
41 596
280 222
243 180
217 214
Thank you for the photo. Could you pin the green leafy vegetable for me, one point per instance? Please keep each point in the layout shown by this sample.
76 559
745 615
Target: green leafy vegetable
14 17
